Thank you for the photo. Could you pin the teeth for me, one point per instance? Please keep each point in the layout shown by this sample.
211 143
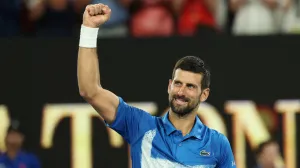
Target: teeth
180 101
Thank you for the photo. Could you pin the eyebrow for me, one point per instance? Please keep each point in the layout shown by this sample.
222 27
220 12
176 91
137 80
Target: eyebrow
188 84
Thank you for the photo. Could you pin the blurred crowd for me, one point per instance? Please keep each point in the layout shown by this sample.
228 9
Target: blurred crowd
148 18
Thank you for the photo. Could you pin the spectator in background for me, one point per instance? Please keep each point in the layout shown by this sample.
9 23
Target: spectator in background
258 17
10 18
268 155
58 18
291 19
194 15
151 18
116 26
221 14
14 156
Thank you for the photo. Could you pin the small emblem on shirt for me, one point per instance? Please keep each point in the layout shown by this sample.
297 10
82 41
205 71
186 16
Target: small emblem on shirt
204 153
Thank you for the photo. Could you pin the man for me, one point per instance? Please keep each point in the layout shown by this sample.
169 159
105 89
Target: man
268 155
179 139
56 17
14 157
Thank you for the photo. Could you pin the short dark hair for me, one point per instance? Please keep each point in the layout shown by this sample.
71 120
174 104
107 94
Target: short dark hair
195 65
15 127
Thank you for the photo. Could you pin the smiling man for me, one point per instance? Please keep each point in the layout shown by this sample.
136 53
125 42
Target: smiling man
178 139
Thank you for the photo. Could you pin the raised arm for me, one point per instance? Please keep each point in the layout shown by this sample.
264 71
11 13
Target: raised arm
103 101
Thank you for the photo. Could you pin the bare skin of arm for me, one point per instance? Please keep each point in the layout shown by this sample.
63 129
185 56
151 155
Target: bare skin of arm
88 73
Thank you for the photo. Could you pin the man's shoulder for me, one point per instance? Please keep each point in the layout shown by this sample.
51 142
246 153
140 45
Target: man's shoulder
216 136
2 157
23 155
133 107
28 155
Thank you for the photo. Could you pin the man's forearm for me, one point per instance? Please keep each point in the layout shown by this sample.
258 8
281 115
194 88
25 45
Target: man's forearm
88 71
88 65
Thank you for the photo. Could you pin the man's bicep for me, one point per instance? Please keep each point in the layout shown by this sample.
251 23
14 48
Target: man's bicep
105 103
227 159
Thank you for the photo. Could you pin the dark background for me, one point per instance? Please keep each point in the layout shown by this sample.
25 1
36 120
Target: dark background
38 71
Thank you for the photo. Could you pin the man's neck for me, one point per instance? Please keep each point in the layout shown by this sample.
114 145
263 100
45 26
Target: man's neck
266 165
12 154
184 124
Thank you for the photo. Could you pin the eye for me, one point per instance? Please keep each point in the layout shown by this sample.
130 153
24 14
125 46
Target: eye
176 83
191 86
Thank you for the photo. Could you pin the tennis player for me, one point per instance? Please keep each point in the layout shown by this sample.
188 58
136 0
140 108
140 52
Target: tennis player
178 139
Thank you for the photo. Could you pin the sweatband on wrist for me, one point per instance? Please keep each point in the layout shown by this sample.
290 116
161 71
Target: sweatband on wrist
88 37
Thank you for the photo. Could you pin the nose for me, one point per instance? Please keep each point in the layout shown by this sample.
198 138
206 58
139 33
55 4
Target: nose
181 91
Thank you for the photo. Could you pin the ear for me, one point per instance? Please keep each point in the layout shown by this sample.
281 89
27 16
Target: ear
204 95
169 86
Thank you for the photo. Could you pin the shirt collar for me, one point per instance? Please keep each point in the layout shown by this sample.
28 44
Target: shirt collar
16 158
195 132
197 129
167 124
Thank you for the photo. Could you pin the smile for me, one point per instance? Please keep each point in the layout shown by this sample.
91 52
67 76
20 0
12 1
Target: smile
180 101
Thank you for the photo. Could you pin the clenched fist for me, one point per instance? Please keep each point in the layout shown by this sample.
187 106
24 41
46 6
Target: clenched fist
96 15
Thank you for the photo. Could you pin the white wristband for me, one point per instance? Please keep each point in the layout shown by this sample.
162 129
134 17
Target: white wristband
88 37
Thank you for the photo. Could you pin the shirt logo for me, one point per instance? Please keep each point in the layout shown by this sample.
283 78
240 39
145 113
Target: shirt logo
204 153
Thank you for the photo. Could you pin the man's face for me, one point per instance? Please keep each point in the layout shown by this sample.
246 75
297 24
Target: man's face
269 154
14 140
185 92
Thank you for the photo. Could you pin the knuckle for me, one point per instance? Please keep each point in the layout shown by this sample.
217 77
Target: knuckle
89 7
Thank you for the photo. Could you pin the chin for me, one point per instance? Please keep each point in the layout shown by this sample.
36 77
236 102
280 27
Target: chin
181 112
